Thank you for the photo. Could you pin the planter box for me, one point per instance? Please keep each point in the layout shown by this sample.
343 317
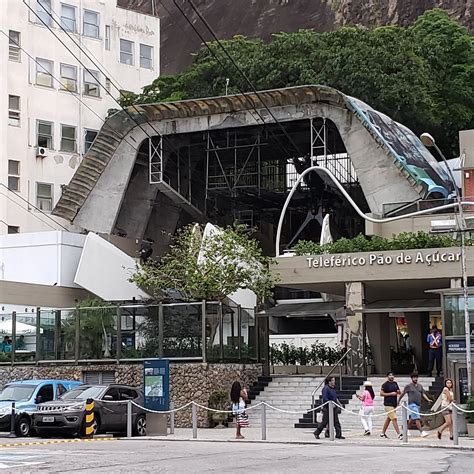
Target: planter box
470 430
284 369
309 369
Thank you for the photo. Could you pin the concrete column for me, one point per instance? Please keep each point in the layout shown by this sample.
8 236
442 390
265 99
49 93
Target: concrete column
378 333
418 328
354 331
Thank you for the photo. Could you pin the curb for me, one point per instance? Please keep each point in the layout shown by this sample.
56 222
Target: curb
300 443
57 441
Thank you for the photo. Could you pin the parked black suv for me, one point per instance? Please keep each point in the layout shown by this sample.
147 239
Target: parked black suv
67 414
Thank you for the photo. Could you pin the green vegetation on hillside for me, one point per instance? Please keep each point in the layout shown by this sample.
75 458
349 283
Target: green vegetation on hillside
421 76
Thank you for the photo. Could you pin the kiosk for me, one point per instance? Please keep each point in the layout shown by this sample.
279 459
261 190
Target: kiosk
156 381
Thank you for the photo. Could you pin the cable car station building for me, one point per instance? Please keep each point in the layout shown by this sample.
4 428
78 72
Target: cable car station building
156 167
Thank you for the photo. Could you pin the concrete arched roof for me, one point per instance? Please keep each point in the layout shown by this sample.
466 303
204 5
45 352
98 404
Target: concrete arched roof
388 134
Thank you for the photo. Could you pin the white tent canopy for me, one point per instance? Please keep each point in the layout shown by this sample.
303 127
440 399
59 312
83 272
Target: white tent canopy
21 328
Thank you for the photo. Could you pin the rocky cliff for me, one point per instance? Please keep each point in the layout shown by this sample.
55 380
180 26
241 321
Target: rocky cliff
264 17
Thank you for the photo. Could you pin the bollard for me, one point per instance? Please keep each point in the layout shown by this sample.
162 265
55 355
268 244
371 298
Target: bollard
171 418
195 421
129 418
331 420
264 422
89 418
12 422
455 425
404 423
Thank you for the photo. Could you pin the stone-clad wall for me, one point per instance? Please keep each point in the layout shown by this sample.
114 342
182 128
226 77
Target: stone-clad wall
189 381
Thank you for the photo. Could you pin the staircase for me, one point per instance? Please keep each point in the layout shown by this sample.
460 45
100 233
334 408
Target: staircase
287 392
352 421
350 384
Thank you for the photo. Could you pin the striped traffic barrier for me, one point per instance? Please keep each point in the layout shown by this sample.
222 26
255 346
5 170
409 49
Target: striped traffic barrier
89 416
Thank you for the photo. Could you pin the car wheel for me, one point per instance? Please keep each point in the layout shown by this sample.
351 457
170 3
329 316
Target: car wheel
23 427
140 426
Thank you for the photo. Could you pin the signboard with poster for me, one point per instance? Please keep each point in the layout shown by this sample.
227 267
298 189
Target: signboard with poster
156 381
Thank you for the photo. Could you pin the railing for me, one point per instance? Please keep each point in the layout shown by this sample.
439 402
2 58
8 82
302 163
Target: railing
338 364
202 331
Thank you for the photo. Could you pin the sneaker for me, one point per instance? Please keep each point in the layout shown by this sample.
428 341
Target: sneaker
424 434
400 436
383 435
340 437
316 435
367 433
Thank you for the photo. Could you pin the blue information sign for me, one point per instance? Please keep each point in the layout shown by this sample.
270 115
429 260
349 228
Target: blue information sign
156 381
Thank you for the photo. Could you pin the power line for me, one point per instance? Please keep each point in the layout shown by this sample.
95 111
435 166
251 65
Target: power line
29 211
240 71
76 96
89 71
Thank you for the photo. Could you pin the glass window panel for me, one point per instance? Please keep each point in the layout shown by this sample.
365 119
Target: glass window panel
126 52
13 183
91 83
44 71
43 10
89 138
14 50
68 138
107 37
146 56
14 110
68 18
68 78
91 24
45 134
14 167
44 196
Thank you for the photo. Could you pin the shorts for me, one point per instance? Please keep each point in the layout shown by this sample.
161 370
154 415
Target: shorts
414 411
447 411
391 412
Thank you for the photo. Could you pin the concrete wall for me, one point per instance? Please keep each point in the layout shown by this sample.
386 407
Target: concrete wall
188 381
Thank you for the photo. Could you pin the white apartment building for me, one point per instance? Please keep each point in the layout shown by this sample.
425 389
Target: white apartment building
53 106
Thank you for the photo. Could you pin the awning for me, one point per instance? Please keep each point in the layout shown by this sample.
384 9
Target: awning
315 310
403 306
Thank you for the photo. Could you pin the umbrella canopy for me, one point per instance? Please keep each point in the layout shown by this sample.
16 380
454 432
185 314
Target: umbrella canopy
21 328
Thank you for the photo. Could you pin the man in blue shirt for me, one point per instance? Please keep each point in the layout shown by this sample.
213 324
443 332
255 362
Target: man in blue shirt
435 342
329 393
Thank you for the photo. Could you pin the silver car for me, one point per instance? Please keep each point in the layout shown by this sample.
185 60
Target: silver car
66 416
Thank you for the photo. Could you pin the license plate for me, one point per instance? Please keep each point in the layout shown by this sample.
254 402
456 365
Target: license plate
48 419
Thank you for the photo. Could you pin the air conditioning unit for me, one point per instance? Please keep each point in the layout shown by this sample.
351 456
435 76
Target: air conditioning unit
41 152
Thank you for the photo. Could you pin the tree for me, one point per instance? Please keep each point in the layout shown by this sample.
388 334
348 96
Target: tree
210 268
422 75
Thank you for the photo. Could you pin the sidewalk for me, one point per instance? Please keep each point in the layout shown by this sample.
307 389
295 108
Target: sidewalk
302 436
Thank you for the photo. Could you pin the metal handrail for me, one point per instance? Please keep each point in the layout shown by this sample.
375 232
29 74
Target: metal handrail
338 364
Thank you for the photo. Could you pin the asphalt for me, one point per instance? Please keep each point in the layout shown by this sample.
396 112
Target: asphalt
163 456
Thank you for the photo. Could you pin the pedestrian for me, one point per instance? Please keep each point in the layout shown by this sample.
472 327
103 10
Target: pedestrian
390 391
435 352
367 409
20 343
4 344
238 396
447 397
415 392
329 394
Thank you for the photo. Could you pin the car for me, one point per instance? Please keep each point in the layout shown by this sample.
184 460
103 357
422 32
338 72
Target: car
66 416
27 394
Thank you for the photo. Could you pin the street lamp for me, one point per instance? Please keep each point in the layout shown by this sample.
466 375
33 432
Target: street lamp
429 141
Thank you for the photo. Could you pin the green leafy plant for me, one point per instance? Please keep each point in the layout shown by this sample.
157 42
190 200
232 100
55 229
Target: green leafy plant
470 407
361 243
219 400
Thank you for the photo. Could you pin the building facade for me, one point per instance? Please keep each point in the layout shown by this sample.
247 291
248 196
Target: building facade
63 65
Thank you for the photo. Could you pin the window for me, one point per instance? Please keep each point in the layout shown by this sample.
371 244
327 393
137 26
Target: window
98 378
43 10
13 229
45 394
126 52
13 175
90 25
68 18
128 393
108 84
112 394
14 110
91 83
14 46
44 134
44 72
146 56
107 37
68 78
89 138
60 389
68 138
44 196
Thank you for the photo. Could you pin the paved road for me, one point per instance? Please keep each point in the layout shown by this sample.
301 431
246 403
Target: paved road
148 456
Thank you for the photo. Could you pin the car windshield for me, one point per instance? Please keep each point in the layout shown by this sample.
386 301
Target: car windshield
17 392
83 393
